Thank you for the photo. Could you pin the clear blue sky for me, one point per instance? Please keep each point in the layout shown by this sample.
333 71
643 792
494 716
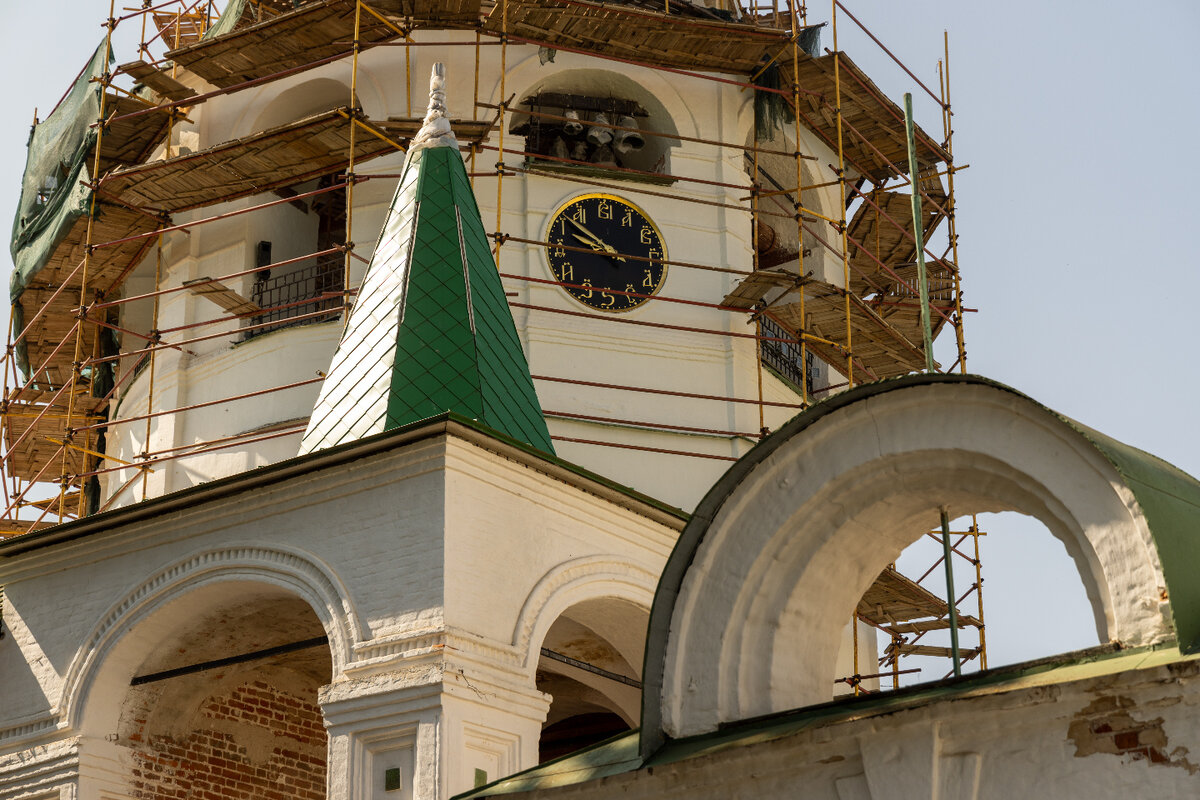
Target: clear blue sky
1075 119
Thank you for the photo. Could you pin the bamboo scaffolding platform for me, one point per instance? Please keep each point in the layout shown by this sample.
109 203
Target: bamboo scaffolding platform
309 33
898 604
638 34
273 159
872 116
51 365
879 348
113 222
157 80
129 141
38 436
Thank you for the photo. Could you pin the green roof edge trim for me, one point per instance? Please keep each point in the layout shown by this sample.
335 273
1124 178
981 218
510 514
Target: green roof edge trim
1164 492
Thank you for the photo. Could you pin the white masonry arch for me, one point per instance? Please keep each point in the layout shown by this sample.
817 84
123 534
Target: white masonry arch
111 644
748 613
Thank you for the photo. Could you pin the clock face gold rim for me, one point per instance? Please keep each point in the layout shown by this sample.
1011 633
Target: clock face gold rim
619 249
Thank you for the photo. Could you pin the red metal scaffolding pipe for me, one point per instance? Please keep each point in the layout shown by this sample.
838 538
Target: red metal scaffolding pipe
642 448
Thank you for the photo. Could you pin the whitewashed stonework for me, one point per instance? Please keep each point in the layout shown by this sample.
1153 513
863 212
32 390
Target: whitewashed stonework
394 547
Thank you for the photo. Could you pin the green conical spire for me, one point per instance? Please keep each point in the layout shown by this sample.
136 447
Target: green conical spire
430 330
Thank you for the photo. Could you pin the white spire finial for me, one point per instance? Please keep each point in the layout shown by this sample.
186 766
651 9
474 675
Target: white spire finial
436 130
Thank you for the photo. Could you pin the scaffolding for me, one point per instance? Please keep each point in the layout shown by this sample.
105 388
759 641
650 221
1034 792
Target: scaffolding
68 358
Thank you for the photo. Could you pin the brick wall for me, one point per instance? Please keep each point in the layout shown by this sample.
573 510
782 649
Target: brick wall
253 741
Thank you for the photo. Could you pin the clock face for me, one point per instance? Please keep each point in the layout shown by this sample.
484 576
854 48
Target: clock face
614 248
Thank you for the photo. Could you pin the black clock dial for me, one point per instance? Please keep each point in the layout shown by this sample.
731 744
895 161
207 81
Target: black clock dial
618 249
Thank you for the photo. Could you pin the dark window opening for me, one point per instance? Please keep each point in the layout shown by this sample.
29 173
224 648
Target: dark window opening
784 358
577 732
291 295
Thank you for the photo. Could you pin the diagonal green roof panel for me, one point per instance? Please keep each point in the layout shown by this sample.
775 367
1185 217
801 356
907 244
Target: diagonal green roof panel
431 330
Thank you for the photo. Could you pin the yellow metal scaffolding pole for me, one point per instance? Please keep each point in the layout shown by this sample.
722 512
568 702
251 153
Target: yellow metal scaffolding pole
951 224
76 374
805 389
150 366
358 7
837 94
503 104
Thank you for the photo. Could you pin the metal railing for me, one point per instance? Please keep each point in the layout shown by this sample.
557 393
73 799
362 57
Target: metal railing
297 293
784 357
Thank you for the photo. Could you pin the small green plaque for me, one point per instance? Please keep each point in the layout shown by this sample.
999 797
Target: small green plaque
391 779
480 778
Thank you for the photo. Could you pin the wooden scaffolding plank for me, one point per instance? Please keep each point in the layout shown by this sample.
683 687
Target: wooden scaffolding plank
275 158
966 654
893 296
178 29
48 368
899 604
16 527
751 290
310 33
637 34
157 80
220 294
402 129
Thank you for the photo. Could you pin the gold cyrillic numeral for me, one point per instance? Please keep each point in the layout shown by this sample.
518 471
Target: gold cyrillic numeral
645 235
604 210
627 220
587 291
648 281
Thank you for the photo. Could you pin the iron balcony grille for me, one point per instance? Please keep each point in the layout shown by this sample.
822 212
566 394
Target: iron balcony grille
785 357
297 293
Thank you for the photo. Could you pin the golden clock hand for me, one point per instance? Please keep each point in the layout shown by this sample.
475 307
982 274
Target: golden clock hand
592 243
609 249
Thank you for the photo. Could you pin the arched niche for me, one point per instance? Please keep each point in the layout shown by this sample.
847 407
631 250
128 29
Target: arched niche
311 97
748 613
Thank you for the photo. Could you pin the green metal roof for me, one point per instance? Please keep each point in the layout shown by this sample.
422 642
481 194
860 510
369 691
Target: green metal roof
431 330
